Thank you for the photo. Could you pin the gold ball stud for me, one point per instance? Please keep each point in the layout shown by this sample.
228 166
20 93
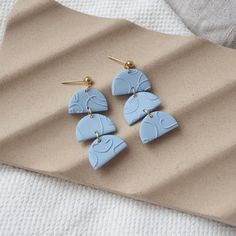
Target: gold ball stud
88 81
129 64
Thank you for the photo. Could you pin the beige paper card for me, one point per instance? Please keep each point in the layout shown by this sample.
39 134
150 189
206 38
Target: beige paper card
192 169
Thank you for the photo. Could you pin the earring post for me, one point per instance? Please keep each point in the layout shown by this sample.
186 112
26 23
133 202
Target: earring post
127 64
116 59
72 82
87 81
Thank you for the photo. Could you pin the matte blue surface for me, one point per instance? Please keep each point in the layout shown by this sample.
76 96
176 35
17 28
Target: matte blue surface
129 79
159 124
84 99
88 126
133 109
105 150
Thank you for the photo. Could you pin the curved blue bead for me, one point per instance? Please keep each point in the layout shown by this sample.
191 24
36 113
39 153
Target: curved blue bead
84 99
159 124
129 80
135 105
88 126
105 150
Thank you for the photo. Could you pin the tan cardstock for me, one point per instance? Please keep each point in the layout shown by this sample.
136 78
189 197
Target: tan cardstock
192 169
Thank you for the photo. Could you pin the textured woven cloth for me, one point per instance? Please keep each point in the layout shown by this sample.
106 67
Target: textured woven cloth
32 204
212 19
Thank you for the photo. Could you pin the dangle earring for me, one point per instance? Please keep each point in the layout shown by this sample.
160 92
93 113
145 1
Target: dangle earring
89 100
142 103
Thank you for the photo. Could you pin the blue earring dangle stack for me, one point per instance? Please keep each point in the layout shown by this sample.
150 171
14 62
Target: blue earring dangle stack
89 100
142 103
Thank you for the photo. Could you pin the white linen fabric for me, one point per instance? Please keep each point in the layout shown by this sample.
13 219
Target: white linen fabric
33 204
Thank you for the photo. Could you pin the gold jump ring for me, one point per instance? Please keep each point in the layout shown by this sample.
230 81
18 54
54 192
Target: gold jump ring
90 112
148 113
98 137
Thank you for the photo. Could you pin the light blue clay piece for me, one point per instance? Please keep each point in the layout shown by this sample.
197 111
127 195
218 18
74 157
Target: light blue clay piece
102 151
84 99
135 105
88 126
129 81
159 124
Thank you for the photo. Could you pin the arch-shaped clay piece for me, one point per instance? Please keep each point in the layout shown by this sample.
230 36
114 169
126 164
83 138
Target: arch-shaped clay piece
135 105
156 125
84 99
88 126
129 81
107 148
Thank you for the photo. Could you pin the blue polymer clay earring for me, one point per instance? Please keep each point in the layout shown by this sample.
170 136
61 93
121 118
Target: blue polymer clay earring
142 103
89 100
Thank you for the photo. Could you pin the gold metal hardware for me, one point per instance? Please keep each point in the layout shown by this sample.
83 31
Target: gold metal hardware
126 64
87 81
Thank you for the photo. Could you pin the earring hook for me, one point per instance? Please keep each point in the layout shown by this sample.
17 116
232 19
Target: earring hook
87 81
127 64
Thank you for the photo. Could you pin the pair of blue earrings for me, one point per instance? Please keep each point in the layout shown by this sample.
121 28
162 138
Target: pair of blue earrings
140 105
